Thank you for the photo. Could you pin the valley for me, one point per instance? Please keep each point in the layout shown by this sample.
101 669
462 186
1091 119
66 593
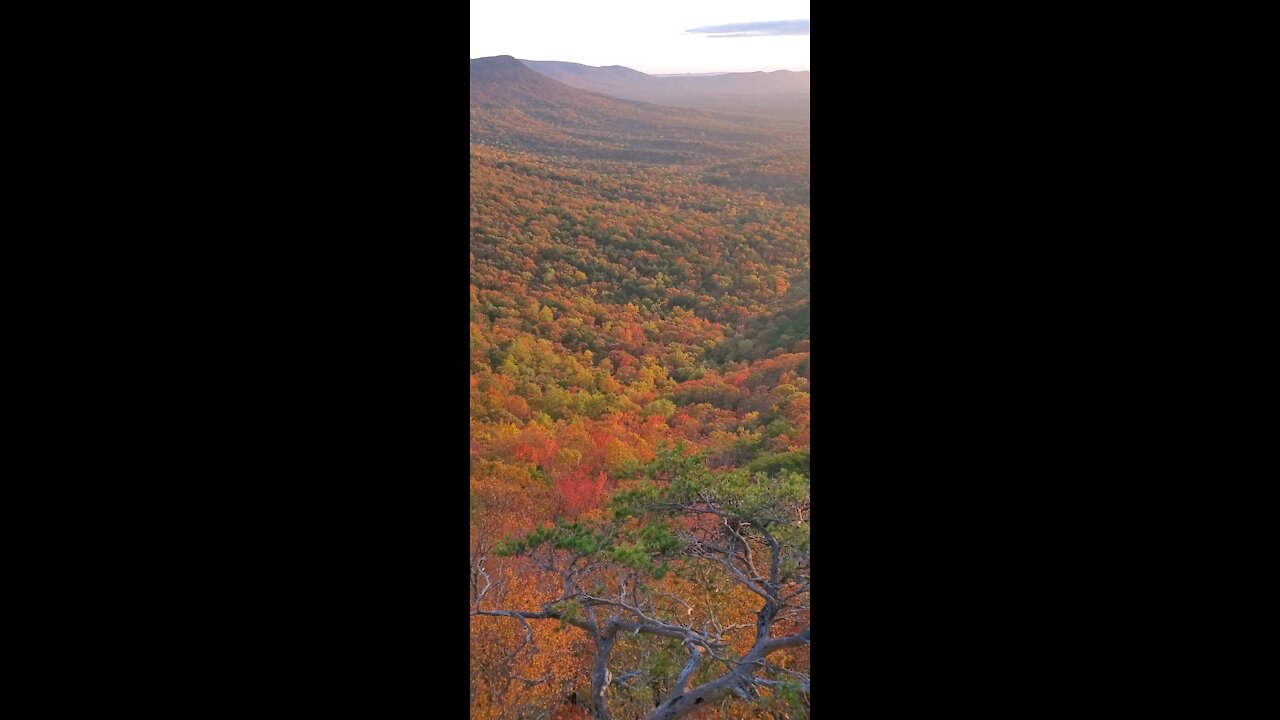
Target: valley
639 312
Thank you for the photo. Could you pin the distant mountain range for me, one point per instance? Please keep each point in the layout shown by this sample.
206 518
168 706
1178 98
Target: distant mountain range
514 107
631 84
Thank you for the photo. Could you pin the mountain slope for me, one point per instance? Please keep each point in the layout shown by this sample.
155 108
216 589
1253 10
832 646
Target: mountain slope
515 107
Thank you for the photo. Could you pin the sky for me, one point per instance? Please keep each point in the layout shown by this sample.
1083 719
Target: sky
652 36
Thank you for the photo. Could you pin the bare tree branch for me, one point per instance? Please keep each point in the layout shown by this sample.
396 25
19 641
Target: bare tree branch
695 659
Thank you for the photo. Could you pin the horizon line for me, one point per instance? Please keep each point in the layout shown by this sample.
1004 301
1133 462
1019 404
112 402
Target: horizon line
628 67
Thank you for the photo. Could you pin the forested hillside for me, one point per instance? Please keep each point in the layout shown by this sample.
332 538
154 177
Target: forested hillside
639 394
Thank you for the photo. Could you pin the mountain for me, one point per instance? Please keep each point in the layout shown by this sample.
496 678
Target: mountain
504 81
513 106
613 80
623 82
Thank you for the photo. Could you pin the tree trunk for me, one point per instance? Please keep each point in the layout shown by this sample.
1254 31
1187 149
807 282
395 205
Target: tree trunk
600 677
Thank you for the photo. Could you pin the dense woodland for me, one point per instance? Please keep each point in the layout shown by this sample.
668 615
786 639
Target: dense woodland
639 393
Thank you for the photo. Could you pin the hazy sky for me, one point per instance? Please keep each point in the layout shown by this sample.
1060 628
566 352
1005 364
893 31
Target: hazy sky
651 36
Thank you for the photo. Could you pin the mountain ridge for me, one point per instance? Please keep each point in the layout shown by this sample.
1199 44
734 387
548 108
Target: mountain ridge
516 107
627 83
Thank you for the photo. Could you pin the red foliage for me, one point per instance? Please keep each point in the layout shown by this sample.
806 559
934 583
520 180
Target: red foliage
579 490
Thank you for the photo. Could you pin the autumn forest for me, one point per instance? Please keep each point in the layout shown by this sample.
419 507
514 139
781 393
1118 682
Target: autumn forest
639 395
